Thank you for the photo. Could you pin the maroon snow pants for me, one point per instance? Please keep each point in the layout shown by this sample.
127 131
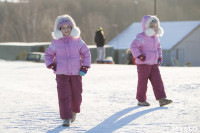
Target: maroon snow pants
69 88
152 73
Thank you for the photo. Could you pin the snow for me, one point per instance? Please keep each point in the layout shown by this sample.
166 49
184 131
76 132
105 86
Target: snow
174 32
29 101
24 43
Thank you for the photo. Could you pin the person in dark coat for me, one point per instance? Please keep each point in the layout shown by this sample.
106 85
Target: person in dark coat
100 42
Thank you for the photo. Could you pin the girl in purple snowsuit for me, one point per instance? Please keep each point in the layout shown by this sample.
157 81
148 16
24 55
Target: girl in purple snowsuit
70 58
147 51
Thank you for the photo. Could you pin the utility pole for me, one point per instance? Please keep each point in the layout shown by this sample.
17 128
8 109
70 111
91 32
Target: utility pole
155 7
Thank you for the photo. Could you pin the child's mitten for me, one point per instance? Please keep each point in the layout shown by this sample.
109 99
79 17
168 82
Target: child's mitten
141 57
83 70
52 66
159 61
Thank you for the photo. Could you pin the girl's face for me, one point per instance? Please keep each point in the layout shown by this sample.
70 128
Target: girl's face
154 26
66 29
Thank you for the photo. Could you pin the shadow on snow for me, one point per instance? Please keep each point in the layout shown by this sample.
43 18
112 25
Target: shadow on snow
112 123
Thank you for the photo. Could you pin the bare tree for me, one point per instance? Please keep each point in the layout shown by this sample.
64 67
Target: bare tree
90 23
33 20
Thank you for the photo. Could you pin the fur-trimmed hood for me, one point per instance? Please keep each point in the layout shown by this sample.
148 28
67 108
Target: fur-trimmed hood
57 34
146 20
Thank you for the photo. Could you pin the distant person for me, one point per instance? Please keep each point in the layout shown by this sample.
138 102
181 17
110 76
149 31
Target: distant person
69 57
148 54
130 58
100 42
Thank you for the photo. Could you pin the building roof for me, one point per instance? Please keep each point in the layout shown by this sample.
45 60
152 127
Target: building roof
174 32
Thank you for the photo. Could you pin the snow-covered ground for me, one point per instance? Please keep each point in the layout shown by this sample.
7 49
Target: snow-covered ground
28 100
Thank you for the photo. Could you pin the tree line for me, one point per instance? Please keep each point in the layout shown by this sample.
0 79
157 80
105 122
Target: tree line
33 20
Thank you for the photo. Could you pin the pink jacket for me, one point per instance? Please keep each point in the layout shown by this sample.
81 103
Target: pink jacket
146 45
69 54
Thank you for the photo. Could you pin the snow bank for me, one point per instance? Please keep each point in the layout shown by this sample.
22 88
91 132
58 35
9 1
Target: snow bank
29 101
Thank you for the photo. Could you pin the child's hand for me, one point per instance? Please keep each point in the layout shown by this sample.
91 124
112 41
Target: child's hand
52 66
83 70
141 57
159 61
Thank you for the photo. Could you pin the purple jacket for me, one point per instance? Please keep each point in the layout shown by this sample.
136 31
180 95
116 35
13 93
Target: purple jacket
146 45
69 54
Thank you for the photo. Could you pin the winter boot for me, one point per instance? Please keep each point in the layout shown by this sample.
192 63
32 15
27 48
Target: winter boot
66 122
73 117
143 104
164 101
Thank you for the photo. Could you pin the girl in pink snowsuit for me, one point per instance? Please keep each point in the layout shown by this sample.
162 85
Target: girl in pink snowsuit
69 57
147 51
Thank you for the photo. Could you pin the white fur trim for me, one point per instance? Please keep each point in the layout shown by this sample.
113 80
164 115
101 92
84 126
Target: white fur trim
75 32
147 25
149 31
160 31
57 34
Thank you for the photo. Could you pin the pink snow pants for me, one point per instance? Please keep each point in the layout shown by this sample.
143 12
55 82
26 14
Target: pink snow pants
69 88
152 73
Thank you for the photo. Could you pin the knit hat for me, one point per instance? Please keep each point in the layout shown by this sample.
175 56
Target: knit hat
147 20
100 28
63 22
60 21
